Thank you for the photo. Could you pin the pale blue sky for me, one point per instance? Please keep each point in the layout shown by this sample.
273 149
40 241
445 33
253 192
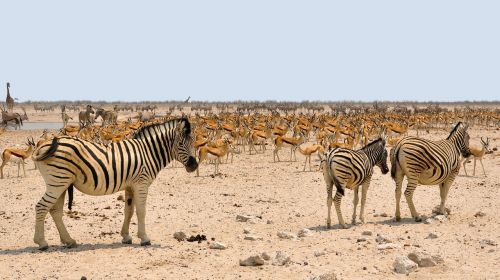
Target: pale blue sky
251 50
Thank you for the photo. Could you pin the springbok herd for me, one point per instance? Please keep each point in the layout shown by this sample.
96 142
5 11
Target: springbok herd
103 151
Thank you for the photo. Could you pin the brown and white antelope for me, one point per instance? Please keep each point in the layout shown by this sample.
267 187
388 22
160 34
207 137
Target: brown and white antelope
18 156
308 151
478 154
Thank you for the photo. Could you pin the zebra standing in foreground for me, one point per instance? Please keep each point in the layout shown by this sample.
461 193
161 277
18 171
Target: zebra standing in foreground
428 162
130 165
349 169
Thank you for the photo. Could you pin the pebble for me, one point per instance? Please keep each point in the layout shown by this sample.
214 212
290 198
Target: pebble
180 236
381 239
246 231
440 218
281 259
367 232
479 214
270 222
252 238
489 242
252 261
325 276
265 256
424 259
361 239
386 246
305 232
286 235
243 218
218 246
404 265
431 236
429 221
319 253
120 198
384 215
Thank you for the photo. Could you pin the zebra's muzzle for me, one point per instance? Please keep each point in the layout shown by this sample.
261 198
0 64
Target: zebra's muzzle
191 164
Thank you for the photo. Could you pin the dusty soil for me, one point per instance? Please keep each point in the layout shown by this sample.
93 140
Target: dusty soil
281 196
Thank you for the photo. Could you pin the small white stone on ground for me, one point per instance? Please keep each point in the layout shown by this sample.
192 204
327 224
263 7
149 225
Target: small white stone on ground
243 218
281 259
440 218
404 265
489 242
386 246
252 261
381 239
305 232
424 259
218 245
252 238
265 256
326 276
286 235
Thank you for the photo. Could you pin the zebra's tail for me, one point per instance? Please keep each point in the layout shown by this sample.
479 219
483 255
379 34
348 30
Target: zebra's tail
48 153
70 197
394 160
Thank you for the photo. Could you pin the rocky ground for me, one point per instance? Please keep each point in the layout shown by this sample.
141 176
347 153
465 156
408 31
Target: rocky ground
270 216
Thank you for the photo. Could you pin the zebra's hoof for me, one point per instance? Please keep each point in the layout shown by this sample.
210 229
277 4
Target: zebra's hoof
127 241
43 248
397 219
418 219
71 245
146 243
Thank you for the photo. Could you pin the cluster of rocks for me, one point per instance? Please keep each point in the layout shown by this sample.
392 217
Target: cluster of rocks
409 263
280 259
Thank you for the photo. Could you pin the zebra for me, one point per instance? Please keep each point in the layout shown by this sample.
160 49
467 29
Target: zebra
349 169
130 165
428 162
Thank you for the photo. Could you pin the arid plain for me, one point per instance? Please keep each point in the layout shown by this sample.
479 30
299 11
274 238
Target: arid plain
280 197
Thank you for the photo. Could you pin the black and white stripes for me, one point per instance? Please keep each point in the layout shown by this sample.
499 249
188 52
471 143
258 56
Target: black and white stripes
428 162
349 169
130 165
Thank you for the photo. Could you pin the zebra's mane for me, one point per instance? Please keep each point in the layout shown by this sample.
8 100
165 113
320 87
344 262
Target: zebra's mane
372 143
187 126
454 130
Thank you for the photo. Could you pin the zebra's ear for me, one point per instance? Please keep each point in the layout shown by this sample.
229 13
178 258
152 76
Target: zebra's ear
184 126
466 126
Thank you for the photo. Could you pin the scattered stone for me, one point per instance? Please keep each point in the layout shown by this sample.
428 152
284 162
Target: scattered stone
431 236
361 239
429 221
326 276
440 218
489 242
252 238
472 225
367 232
252 261
305 232
270 222
286 235
381 239
218 246
384 215
424 259
246 231
386 246
479 214
120 198
281 259
265 256
404 265
180 236
437 210
107 207
319 253
243 218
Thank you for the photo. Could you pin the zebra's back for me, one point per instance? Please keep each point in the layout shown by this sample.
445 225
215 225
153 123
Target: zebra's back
350 166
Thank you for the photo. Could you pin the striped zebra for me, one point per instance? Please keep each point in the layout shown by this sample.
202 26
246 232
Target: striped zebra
130 165
349 169
428 162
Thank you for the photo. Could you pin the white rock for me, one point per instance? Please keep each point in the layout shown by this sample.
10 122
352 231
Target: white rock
252 238
404 265
381 239
305 232
431 236
489 242
243 218
218 245
281 259
286 235
180 236
429 221
424 259
386 246
252 261
440 218
326 276
319 253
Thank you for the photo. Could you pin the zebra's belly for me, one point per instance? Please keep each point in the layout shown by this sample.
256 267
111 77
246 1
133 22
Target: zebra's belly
100 190
430 176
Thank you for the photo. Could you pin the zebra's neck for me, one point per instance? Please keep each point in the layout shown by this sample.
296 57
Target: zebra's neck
372 151
455 139
159 137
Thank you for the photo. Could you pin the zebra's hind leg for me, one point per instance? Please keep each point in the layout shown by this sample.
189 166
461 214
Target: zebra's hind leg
443 191
140 196
329 190
355 204
129 212
399 184
42 207
410 189
337 199
57 213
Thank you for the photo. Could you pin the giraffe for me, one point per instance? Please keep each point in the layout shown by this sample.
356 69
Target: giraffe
9 100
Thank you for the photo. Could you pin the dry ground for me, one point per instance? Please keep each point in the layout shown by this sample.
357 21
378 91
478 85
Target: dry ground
252 185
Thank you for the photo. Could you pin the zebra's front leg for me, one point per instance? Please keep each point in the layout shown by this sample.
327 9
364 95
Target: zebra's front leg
364 191
410 188
129 212
355 204
57 213
140 196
